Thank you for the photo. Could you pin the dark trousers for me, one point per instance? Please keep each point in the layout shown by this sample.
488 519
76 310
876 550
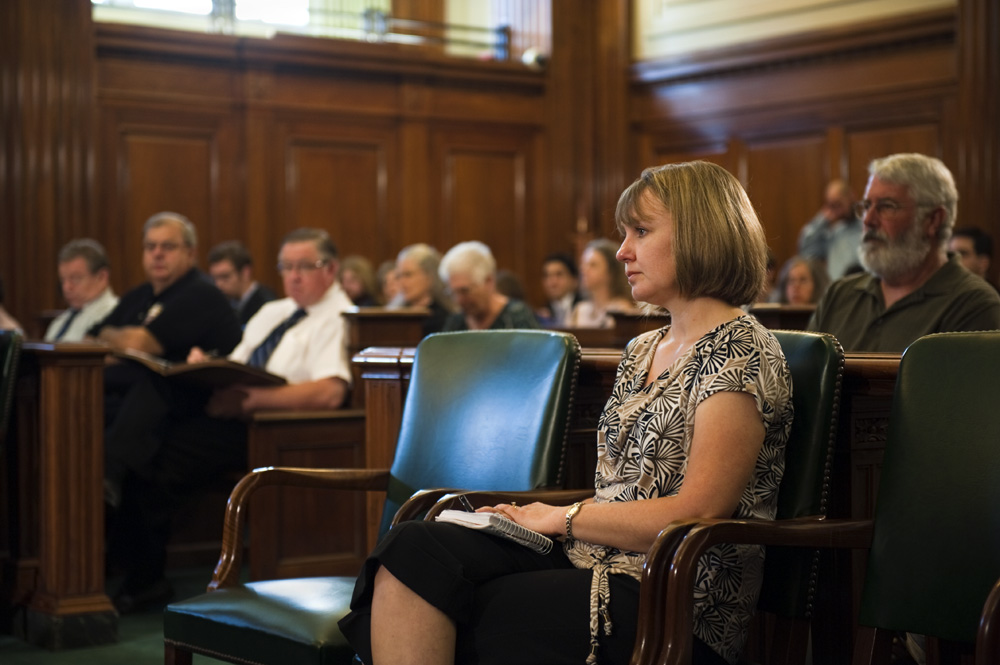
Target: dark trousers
193 453
509 604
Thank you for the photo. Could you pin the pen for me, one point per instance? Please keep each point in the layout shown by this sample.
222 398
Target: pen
465 503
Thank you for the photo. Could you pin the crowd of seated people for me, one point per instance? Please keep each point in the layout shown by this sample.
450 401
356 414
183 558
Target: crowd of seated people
156 437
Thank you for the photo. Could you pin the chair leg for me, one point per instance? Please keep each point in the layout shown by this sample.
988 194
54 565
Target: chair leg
872 645
174 655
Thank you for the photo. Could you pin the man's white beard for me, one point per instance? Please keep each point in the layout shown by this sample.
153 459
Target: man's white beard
890 259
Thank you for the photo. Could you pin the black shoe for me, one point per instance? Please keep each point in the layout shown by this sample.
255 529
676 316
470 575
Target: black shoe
153 596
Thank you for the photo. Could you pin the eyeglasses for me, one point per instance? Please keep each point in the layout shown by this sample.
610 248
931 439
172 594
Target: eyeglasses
165 246
883 208
302 267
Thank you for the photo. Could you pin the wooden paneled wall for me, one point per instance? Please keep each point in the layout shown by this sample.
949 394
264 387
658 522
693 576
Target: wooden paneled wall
385 146
253 138
790 115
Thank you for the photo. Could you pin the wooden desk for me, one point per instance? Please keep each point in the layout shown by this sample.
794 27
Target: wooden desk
297 532
381 326
783 317
53 563
630 324
627 325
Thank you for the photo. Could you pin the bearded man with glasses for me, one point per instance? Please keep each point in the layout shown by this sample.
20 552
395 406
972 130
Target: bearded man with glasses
911 286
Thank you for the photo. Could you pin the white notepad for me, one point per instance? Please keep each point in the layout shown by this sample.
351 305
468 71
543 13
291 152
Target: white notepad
498 525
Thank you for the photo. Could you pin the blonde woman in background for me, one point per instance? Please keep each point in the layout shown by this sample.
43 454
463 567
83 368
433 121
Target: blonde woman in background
357 276
605 286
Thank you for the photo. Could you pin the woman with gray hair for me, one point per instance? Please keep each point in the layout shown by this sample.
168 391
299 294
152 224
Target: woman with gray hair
420 286
470 271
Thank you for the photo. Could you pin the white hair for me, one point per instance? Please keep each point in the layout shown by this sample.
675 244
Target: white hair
471 258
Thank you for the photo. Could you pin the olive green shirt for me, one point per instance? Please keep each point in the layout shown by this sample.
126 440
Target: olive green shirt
953 299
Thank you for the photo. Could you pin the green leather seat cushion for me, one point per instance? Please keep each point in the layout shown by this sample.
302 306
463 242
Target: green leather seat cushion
292 621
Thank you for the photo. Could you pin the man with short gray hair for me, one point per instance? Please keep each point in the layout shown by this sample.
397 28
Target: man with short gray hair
83 277
178 308
911 287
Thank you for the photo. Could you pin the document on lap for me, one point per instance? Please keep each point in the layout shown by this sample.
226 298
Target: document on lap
214 373
498 525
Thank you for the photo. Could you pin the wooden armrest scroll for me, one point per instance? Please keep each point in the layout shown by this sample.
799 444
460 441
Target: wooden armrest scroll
227 570
988 639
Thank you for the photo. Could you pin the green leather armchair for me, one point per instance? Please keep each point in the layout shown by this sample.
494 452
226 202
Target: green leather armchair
485 409
816 363
933 546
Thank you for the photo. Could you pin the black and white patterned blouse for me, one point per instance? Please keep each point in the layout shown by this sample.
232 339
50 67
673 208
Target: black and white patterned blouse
644 437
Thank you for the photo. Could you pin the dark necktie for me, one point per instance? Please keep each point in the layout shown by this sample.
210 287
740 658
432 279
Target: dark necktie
261 354
66 324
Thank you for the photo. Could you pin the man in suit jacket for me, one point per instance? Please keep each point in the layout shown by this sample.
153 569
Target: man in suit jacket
561 283
83 275
231 268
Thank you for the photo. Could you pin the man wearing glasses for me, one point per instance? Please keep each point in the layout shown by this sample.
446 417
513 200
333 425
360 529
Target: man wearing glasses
911 286
177 308
302 338
231 268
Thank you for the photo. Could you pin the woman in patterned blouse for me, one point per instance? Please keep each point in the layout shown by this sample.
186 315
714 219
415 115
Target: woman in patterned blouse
695 427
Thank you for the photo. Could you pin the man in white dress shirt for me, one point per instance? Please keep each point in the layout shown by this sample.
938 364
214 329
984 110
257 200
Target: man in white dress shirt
83 276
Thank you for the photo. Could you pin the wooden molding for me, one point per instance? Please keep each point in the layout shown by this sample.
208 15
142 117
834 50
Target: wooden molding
302 52
841 43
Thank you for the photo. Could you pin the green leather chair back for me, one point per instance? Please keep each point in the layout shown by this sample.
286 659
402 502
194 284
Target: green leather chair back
816 363
936 541
485 410
10 352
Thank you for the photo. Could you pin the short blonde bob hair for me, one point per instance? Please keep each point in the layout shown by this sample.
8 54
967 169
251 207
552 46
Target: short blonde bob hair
719 246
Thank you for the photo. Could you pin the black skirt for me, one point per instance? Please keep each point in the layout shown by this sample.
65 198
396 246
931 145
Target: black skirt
509 603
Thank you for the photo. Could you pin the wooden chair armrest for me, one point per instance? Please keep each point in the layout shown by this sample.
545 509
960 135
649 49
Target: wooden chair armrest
676 575
433 501
419 504
491 498
988 637
227 570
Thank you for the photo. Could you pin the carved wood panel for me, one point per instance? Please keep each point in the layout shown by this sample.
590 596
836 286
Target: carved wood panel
488 193
785 180
154 159
866 145
337 175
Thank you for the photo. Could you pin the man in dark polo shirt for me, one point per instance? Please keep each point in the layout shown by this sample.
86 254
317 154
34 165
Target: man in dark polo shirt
177 309
911 287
